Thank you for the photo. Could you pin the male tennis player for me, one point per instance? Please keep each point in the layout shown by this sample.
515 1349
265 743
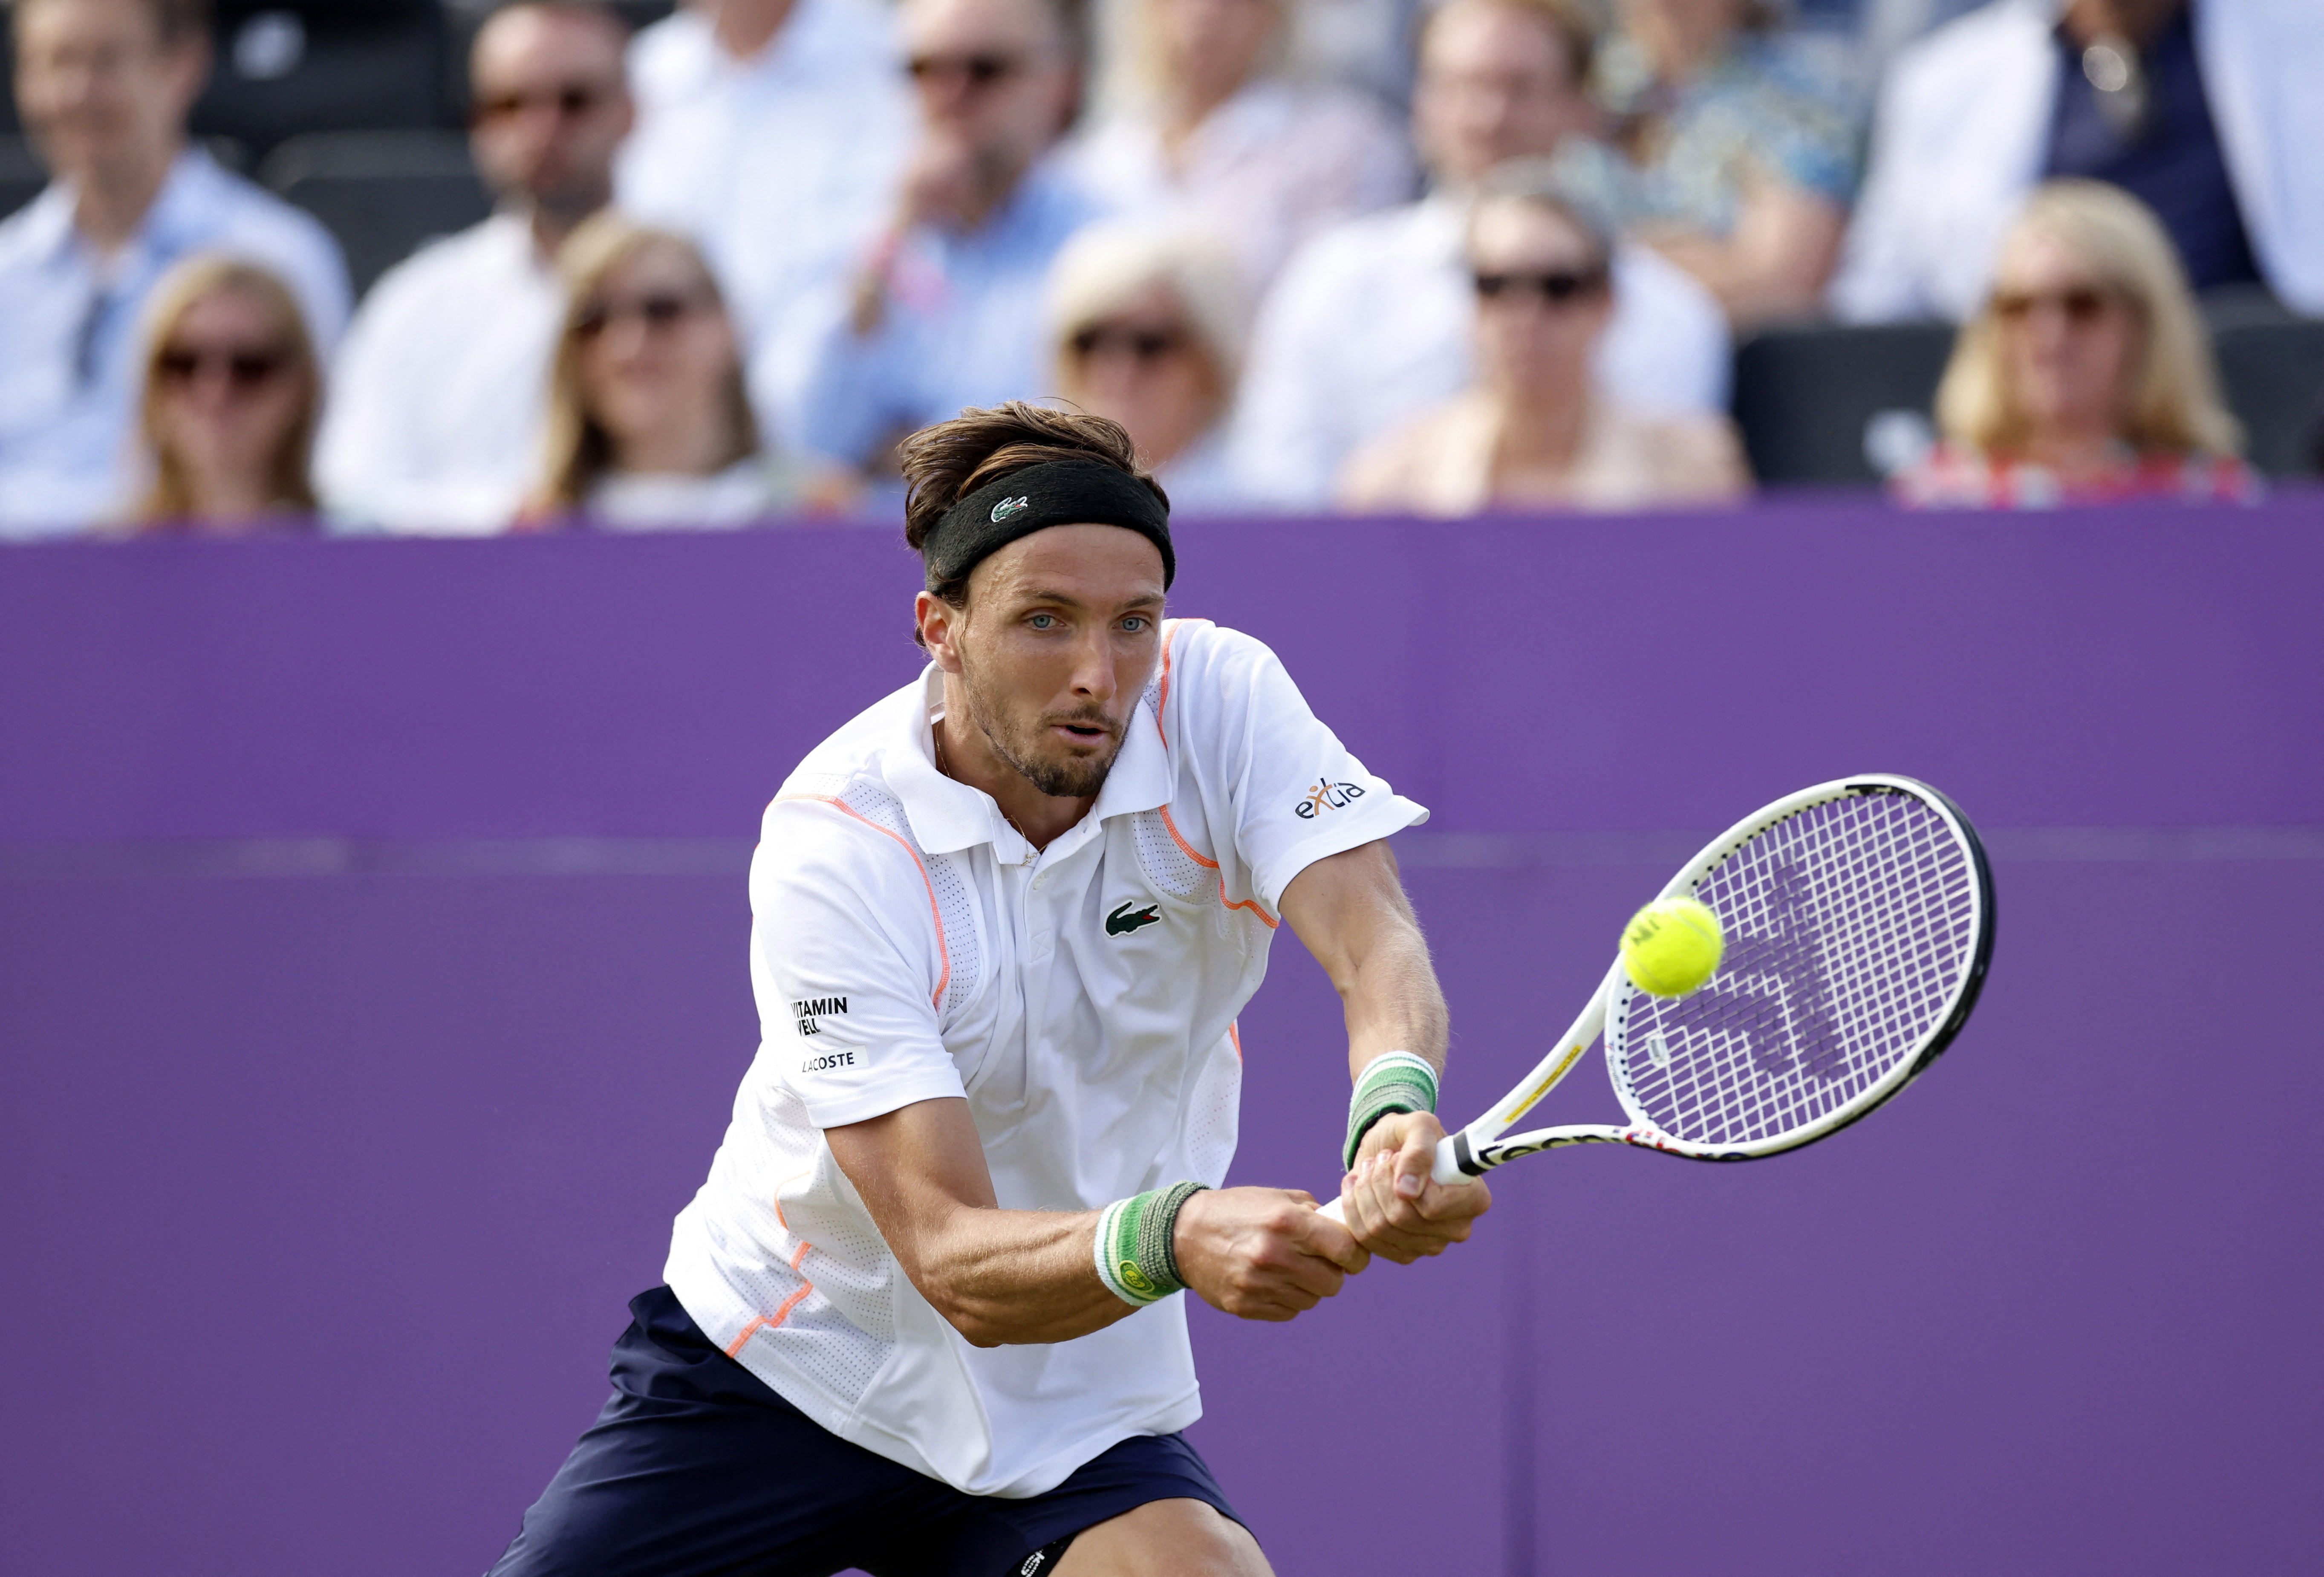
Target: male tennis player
921 1318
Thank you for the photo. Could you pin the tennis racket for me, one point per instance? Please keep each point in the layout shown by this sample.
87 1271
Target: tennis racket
1859 916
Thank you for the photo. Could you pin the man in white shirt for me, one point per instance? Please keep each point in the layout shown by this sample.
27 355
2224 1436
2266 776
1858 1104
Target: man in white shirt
437 402
773 132
949 309
1969 120
921 1318
104 87
1370 324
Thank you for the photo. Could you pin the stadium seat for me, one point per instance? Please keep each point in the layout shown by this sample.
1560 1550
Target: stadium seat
22 174
2271 374
1833 406
383 194
288 66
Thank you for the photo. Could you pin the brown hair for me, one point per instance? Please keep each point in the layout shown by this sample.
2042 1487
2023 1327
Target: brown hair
175 22
580 451
945 463
170 498
1575 32
2169 402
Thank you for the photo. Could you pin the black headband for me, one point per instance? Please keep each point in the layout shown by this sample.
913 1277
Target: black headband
1054 492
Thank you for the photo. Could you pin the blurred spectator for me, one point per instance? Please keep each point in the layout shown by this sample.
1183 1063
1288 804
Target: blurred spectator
103 87
231 391
773 131
2087 376
1534 433
948 312
1370 324
437 396
1746 161
2213 114
1148 320
1214 132
649 423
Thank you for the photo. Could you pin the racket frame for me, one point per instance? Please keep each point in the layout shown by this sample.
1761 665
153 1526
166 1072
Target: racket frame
1475 1149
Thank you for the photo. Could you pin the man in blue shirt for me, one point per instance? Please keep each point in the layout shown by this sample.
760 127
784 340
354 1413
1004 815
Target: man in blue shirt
946 312
104 87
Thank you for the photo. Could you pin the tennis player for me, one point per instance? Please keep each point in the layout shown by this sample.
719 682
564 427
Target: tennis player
922 1318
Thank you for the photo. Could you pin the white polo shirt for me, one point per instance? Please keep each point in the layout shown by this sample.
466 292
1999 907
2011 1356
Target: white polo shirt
908 946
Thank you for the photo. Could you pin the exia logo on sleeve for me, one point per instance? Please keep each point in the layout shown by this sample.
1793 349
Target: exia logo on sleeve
1126 919
1325 796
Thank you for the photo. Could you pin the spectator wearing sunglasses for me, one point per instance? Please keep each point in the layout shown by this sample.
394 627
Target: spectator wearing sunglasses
227 414
650 427
948 311
104 88
1370 323
773 133
1534 432
1209 130
2087 376
436 410
1147 319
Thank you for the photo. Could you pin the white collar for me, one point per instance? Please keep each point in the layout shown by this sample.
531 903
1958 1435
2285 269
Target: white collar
948 816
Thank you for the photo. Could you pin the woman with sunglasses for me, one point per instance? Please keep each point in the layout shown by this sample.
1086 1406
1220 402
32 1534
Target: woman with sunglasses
1147 322
2087 376
230 395
1534 432
649 426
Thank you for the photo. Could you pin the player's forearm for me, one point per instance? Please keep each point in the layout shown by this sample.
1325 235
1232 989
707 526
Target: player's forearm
1351 912
1008 1277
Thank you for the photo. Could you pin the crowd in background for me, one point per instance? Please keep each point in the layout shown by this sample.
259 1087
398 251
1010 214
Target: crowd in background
1485 254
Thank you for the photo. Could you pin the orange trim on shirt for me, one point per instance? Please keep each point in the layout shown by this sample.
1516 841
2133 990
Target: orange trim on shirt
1234 1033
774 1321
1195 854
934 913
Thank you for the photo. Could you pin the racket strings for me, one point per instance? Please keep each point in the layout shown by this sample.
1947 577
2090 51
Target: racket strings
1849 926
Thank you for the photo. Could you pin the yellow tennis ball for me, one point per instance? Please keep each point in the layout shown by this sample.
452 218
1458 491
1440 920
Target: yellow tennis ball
1672 946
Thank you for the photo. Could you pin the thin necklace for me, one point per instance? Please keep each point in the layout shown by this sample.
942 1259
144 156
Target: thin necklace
935 737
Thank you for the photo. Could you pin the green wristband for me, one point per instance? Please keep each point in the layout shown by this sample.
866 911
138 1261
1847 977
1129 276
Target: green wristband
1135 1257
1393 1081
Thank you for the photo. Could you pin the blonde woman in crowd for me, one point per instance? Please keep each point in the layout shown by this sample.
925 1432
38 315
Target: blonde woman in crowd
1534 432
1146 323
1207 128
649 423
230 399
2086 375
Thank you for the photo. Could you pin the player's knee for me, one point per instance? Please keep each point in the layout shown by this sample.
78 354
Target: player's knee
1166 1538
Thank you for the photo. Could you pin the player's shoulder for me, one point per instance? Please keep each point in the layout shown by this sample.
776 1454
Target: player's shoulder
840 786
1207 676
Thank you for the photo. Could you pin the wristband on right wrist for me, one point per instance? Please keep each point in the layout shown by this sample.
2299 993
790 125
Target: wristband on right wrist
1136 1257
1393 1081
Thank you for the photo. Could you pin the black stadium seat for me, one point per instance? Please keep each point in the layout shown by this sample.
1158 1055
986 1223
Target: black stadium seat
1807 399
381 193
288 66
2272 375
22 174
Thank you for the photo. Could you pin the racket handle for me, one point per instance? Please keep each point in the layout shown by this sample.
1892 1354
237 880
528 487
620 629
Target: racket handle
1446 1171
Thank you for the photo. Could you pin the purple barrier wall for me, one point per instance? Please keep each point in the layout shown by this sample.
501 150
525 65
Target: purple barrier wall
372 991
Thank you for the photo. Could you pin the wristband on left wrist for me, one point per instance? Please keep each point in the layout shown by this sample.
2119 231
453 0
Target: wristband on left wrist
1393 1081
1135 1249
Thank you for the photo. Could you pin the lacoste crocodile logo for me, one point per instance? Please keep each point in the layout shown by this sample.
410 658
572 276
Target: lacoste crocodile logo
1125 920
1010 506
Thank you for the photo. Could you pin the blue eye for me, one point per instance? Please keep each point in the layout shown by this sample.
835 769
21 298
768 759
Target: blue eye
1136 623
1042 620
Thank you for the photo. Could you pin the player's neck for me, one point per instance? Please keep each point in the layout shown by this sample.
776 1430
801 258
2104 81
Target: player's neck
965 756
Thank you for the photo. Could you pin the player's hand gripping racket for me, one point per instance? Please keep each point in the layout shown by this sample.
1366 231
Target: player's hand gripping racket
1858 917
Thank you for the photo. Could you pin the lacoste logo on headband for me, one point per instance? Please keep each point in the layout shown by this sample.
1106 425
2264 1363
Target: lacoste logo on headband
1010 506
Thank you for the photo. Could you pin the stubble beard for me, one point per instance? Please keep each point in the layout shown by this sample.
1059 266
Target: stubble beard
1070 778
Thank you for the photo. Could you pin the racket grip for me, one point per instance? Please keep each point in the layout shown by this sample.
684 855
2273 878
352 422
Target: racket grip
1447 1171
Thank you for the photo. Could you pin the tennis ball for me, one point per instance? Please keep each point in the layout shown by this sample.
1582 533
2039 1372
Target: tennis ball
1672 946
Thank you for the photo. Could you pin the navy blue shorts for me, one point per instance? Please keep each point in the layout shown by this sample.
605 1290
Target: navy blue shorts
696 1467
